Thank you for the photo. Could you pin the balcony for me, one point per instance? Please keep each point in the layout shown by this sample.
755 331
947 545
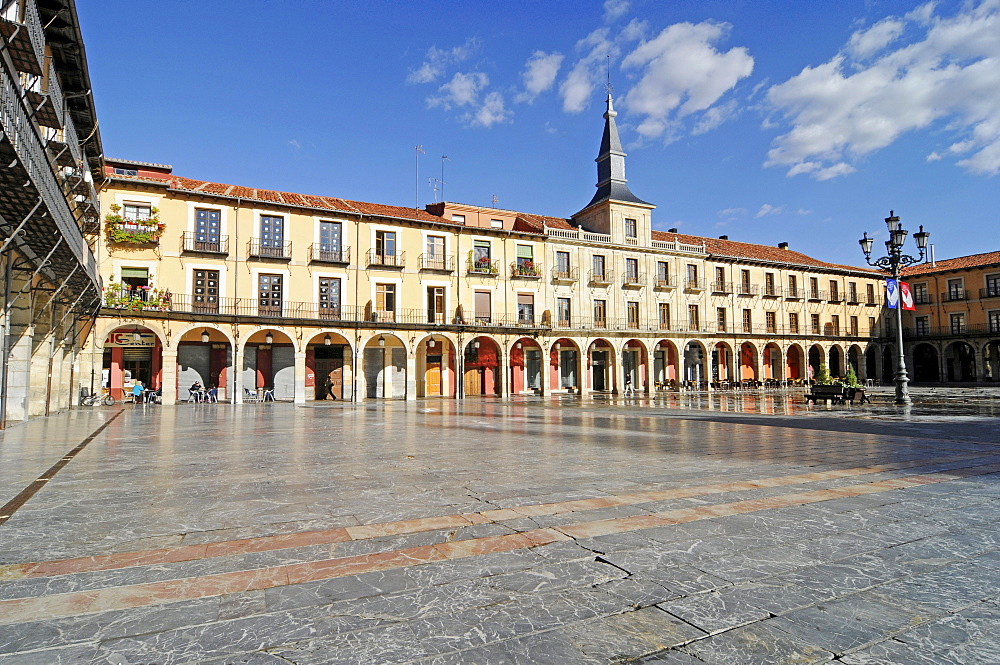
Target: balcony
747 290
526 270
836 297
955 330
922 298
337 256
195 243
602 278
990 292
269 249
665 281
952 295
694 285
771 291
565 276
852 298
387 260
633 279
436 263
483 266
817 294
793 294
722 288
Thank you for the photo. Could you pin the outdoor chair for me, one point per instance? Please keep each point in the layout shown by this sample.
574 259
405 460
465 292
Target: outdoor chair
268 395
249 396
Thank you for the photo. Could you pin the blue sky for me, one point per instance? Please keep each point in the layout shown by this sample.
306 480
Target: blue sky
802 122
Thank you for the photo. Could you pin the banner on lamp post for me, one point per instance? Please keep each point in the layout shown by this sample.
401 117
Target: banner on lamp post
891 293
906 296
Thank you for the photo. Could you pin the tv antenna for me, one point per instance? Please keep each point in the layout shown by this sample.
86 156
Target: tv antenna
495 200
443 183
438 186
417 150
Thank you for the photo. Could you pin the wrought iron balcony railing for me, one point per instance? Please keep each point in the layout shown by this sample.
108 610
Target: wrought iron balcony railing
377 259
269 249
437 262
319 255
192 241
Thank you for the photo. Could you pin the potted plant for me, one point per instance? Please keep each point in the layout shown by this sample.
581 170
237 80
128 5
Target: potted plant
133 231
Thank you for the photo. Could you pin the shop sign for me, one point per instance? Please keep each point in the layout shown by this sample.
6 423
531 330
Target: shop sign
128 338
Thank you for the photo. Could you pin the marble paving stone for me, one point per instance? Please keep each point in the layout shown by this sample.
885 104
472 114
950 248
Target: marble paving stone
671 657
714 612
74 654
756 644
892 652
253 658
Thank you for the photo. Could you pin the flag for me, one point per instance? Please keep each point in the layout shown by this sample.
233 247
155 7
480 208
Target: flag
891 293
906 296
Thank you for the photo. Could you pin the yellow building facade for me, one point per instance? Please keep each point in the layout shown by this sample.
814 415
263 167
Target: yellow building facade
264 294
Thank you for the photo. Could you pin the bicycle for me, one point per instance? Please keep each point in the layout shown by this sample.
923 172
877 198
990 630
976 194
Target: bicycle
98 398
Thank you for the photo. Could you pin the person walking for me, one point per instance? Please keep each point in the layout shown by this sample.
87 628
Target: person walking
629 390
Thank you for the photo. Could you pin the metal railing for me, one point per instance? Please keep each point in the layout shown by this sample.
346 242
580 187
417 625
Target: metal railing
793 294
606 277
664 281
190 242
722 287
434 262
568 275
270 249
965 329
922 298
747 290
817 294
377 259
528 269
483 266
990 292
319 255
771 291
694 285
952 295
634 279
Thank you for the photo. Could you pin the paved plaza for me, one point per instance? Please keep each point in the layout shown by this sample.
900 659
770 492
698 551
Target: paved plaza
728 529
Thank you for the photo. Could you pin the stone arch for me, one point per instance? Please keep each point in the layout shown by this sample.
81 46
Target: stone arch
854 356
695 364
723 363
383 366
136 354
926 368
960 362
817 357
481 367
527 372
329 365
436 366
991 360
564 365
771 362
795 363
835 361
749 369
888 364
602 364
635 364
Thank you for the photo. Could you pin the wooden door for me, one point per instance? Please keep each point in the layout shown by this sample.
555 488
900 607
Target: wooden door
474 381
432 377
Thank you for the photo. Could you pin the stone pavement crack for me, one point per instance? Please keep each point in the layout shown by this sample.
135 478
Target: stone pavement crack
12 506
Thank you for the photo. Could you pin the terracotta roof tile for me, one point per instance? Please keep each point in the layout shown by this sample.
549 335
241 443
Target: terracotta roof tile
957 263
398 212
540 222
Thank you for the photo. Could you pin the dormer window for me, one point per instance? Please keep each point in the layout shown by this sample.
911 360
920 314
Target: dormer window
496 223
631 230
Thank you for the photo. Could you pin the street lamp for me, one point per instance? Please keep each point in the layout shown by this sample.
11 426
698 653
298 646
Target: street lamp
892 263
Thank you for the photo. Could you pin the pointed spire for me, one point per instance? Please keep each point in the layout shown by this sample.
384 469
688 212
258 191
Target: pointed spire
611 182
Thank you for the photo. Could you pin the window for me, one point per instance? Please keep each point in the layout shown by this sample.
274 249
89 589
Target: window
871 325
458 218
692 275
744 281
693 319
632 309
720 319
481 257
663 309
600 313
269 295
483 307
835 324
526 260
771 322
135 278
793 286
525 308
435 304
769 284
632 270
854 326
814 324
920 294
852 291
870 294
272 235
957 324
329 298
205 291
496 223
630 228
994 320
922 326
435 253
562 264
207 227
662 273
563 311
137 212
385 302
793 323
747 321
385 246
992 286
834 290
126 172
955 290
814 288
598 264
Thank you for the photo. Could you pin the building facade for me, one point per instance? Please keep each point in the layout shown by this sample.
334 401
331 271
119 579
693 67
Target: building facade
953 336
311 297
50 151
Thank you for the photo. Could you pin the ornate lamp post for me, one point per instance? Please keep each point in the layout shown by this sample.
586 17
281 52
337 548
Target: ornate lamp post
892 263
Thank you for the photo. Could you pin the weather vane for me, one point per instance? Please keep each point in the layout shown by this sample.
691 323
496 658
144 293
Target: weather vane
607 86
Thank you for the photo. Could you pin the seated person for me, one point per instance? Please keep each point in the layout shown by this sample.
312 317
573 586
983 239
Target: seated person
137 391
196 386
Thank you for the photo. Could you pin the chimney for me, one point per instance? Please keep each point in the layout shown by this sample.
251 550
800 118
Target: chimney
782 245
674 230
723 237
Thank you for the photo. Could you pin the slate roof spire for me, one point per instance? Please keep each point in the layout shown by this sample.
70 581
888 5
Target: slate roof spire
611 182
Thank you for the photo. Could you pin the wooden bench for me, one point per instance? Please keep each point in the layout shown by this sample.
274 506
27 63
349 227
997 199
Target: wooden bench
836 394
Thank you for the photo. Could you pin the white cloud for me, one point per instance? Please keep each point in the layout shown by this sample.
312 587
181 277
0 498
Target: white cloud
768 209
803 211
945 70
577 89
732 213
615 9
295 144
933 157
539 74
437 60
867 42
683 74
461 90
491 112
